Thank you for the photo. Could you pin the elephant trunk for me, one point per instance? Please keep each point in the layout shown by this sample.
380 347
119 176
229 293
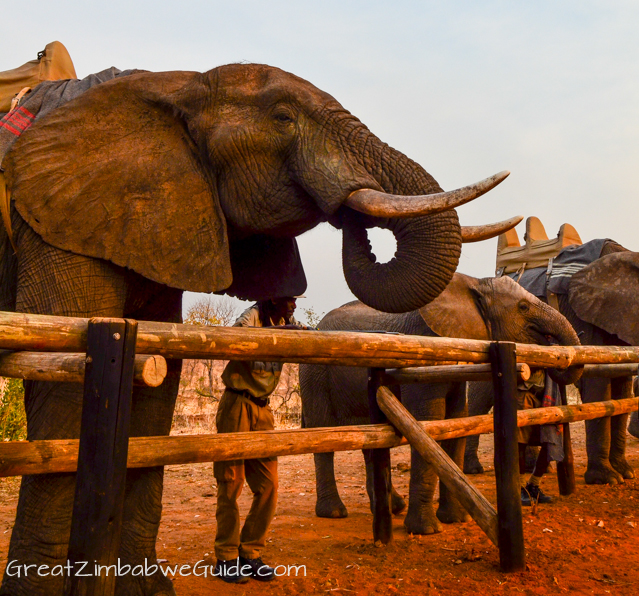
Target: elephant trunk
562 333
428 247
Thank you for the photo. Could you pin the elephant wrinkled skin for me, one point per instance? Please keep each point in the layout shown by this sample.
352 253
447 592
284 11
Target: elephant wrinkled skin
470 308
155 183
601 306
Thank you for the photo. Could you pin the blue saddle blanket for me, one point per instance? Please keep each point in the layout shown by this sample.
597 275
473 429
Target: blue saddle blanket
570 260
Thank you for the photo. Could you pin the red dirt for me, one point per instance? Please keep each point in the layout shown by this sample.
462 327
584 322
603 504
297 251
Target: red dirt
583 544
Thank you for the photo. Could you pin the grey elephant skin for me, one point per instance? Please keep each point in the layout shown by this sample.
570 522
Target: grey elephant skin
601 306
489 309
156 183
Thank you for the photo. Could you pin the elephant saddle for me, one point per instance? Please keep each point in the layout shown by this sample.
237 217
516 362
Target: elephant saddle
541 265
52 64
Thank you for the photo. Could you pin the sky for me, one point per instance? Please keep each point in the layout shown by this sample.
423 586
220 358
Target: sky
548 90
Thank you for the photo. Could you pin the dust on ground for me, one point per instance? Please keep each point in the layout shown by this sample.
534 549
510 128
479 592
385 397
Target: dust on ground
584 544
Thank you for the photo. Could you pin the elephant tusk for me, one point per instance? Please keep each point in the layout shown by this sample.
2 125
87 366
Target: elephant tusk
487 231
380 204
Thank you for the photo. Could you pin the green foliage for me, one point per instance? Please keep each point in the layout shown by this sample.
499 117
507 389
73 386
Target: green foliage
312 318
13 419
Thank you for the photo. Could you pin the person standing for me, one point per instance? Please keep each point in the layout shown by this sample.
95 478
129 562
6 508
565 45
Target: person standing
537 392
244 406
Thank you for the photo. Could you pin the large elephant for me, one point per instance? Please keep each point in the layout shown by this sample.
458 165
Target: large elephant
490 309
155 183
601 305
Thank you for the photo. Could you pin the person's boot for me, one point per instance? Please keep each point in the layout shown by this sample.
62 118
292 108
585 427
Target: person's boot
258 569
531 492
231 571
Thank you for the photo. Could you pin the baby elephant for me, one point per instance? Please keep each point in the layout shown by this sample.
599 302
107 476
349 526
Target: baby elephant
490 309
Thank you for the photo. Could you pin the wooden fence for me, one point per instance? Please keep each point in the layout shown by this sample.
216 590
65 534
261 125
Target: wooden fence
103 353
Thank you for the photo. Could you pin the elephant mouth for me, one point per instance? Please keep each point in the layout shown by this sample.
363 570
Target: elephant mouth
541 338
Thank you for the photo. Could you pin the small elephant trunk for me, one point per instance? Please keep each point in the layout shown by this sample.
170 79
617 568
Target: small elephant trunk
563 334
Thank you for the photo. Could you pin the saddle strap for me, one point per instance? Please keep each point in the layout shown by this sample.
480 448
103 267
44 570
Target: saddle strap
5 207
15 102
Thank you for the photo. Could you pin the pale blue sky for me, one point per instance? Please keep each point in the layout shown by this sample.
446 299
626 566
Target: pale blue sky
547 90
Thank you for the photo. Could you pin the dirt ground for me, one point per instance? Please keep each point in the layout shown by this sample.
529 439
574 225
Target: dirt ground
583 544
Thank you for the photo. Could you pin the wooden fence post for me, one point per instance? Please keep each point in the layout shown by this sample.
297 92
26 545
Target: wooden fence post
380 461
566 468
99 493
512 555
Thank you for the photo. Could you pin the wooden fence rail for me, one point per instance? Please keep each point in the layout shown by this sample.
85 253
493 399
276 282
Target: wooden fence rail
43 333
45 457
69 367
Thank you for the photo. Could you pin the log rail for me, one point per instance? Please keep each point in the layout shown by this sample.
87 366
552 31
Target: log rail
45 457
44 333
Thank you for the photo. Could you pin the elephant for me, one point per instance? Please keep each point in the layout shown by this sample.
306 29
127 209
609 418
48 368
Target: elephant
471 308
151 184
600 305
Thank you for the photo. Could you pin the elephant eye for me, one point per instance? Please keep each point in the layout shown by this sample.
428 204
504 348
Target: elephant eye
282 117
524 306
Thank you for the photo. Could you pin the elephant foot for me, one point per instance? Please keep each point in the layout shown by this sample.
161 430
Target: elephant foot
398 504
602 474
473 466
452 514
332 508
422 521
623 467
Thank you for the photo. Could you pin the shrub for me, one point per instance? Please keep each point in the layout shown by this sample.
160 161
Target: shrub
13 418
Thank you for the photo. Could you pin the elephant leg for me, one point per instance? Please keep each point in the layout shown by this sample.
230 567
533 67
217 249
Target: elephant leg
398 504
450 509
151 415
425 403
329 503
43 519
56 282
599 470
421 517
480 401
633 427
620 389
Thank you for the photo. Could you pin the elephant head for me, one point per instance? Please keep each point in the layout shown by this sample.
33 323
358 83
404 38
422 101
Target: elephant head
201 181
499 309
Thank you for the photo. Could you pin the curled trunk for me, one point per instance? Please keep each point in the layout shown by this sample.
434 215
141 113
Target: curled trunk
427 255
428 247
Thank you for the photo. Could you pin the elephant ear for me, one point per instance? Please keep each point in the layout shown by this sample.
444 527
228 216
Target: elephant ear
455 312
266 267
114 174
605 294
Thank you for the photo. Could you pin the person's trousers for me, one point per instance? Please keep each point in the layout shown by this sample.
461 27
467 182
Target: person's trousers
237 413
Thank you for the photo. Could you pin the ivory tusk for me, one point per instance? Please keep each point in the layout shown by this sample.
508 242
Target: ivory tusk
381 204
485 232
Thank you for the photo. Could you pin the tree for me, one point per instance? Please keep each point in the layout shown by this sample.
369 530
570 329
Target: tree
209 311
312 318
212 311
